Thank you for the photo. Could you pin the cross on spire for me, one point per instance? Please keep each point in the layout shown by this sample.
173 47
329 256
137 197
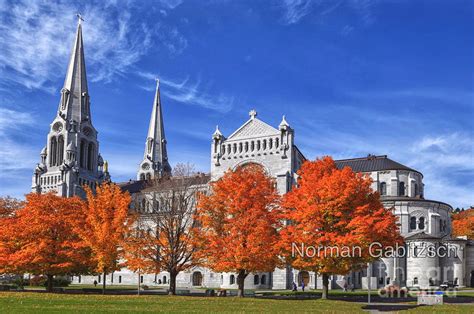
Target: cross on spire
79 18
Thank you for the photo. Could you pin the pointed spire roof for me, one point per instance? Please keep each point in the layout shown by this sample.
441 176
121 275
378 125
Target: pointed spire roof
155 148
75 84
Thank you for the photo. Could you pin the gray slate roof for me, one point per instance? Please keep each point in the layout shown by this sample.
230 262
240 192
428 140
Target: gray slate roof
372 163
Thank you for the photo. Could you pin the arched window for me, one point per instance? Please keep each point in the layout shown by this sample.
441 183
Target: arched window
83 149
232 279
164 279
383 188
416 189
148 176
246 146
415 251
270 143
264 144
149 145
252 146
256 280
263 280
229 149
142 176
277 143
412 223
90 156
240 147
223 149
415 281
54 152
60 150
401 189
421 223
235 148
258 145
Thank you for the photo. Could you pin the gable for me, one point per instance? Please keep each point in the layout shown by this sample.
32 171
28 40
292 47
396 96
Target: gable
253 128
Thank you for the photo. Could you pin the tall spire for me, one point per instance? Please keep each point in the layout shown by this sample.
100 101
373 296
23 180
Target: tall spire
74 95
155 159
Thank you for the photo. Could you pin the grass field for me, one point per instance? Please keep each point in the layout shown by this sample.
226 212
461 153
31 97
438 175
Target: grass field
14 302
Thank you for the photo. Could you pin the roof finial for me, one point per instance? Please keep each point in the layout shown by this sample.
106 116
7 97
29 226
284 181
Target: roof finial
79 18
252 114
217 133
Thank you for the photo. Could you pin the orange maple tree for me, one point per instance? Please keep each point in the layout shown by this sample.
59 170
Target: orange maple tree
41 238
106 223
463 223
238 224
9 205
333 208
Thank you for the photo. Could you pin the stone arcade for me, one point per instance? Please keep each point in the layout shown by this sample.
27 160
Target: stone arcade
71 159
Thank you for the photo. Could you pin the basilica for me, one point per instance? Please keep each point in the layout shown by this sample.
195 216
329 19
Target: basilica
71 159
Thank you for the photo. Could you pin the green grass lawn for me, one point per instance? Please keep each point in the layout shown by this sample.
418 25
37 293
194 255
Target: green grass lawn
14 302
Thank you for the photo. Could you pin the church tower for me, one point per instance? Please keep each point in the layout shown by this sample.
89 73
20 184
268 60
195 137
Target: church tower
155 159
71 156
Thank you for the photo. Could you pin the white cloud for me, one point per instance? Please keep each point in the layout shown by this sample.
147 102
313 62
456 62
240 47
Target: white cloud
295 10
37 38
192 93
14 155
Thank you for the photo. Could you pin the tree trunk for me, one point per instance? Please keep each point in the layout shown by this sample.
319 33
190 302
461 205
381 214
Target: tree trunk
139 282
173 275
49 286
240 282
103 283
325 286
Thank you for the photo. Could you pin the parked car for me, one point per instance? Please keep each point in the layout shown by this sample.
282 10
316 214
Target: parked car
447 285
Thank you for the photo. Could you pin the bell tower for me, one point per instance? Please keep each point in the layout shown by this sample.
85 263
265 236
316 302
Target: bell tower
155 158
71 156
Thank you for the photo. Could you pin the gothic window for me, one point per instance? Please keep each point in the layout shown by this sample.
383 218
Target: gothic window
416 189
164 280
276 142
401 189
240 147
142 176
246 147
383 188
256 280
232 279
150 141
258 145
412 223
263 280
235 148
60 150
223 149
270 143
415 281
83 151
90 157
421 223
264 143
54 151
252 146
229 149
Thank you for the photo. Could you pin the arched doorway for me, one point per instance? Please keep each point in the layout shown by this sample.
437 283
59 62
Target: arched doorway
197 278
303 276
472 278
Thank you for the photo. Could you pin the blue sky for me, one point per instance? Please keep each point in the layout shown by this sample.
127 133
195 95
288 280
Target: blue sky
352 78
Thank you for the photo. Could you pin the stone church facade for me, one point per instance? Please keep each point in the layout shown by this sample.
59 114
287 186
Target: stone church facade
71 159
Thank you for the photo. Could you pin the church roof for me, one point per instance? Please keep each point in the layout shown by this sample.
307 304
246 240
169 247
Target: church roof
252 128
372 163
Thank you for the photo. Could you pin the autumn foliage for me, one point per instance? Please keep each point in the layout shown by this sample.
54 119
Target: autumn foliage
106 224
41 238
334 208
463 224
238 224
